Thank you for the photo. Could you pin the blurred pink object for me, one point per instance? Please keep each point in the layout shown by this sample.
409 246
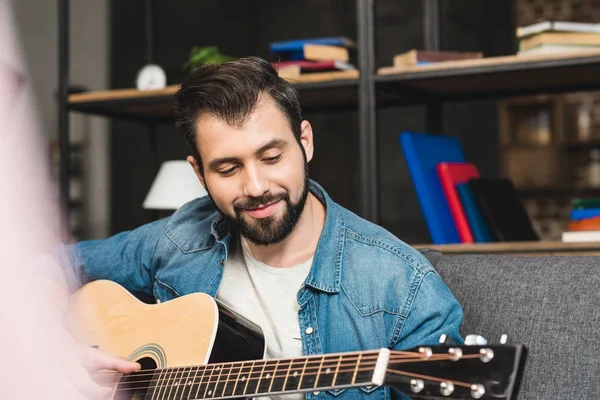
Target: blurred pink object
32 355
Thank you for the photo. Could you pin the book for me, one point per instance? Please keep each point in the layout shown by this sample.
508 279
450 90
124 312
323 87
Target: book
422 152
451 174
560 38
418 57
559 49
315 52
309 66
502 209
581 236
584 213
559 26
593 202
298 44
481 233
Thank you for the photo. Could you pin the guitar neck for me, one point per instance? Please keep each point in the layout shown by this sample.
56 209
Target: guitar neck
264 377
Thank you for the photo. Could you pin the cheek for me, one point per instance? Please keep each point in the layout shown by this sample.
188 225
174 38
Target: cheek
223 192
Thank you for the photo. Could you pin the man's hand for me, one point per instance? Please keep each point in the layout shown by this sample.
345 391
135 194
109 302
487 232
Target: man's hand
86 378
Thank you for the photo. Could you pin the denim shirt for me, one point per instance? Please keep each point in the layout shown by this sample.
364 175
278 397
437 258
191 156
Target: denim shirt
366 288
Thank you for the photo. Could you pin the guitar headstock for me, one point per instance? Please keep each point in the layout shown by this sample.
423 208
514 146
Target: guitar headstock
449 371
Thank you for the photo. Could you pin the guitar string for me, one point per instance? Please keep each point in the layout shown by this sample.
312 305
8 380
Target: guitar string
212 367
429 378
166 382
396 355
402 373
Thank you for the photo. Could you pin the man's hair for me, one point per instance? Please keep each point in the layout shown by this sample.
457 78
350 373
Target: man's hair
230 92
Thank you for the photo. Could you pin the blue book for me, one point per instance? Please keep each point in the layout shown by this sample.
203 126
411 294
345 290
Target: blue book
297 45
423 152
479 228
579 214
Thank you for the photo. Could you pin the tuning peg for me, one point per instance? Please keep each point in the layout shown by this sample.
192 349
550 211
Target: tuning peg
475 340
503 338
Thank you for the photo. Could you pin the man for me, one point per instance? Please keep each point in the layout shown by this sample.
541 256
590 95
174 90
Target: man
268 241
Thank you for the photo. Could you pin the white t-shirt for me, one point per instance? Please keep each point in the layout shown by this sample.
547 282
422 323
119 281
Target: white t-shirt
266 296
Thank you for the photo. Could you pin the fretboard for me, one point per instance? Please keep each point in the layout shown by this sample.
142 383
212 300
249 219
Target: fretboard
263 377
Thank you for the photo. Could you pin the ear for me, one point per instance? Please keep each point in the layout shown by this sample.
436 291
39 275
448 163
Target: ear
196 168
306 138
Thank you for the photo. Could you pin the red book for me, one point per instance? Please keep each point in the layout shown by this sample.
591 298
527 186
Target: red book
450 174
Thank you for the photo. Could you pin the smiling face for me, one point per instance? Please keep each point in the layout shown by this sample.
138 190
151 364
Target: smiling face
257 173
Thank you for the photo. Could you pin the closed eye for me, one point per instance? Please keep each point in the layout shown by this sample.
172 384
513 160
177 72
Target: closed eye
272 160
228 172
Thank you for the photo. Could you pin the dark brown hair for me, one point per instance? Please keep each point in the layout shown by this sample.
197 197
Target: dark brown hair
230 91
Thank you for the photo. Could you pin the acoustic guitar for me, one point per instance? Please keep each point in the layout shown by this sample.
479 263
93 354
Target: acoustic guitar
194 347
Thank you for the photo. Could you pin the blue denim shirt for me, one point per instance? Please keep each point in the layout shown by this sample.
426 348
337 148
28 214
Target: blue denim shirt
366 288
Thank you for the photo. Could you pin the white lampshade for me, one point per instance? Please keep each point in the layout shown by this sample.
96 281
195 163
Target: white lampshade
175 184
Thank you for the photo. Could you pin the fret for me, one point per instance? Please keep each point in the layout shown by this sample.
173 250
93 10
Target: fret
326 373
186 384
232 380
309 373
366 368
224 370
266 376
274 379
158 386
153 386
356 368
207 383
347 366
198 382
260 377
302 373
337 371
172 384
294 375
250 383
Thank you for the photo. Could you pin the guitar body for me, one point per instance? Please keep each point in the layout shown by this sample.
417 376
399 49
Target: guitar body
190 330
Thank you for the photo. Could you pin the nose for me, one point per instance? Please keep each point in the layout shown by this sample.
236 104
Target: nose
255 185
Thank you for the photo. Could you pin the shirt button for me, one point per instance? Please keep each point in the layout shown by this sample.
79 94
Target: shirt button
316 393
309 330
223 261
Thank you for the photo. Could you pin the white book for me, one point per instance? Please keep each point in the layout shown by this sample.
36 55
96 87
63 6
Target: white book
581 236
564 26
559 49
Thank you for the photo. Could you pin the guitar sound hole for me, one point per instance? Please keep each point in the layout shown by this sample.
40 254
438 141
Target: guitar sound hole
135 386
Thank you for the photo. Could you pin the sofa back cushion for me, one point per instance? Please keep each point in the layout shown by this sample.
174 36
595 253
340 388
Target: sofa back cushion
551 304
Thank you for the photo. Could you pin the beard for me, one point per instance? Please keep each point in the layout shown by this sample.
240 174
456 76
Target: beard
272 229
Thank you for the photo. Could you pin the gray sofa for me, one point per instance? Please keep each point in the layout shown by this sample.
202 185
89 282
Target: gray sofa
551 304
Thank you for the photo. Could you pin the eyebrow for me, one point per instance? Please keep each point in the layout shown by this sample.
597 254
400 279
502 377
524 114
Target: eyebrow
214 164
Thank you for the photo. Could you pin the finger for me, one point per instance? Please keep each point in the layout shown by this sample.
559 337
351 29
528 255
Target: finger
96 359
85 385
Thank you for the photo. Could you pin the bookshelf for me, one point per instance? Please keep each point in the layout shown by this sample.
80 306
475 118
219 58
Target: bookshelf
432 85
338 89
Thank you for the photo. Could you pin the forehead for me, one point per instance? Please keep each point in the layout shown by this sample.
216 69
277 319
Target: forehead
216 138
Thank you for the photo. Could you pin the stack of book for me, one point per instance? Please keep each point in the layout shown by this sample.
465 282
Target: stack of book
558 37
584 225
315 57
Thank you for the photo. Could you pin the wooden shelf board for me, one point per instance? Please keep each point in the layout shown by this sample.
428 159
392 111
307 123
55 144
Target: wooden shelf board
491 77
331 89
533 248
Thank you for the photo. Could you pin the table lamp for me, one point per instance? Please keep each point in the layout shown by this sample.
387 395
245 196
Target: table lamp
175 184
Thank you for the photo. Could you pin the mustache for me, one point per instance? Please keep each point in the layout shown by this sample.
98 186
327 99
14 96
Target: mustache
255 202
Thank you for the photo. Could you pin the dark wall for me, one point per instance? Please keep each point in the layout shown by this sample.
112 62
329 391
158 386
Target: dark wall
243 28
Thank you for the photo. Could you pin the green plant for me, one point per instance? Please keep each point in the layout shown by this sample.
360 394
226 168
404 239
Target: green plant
205 55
